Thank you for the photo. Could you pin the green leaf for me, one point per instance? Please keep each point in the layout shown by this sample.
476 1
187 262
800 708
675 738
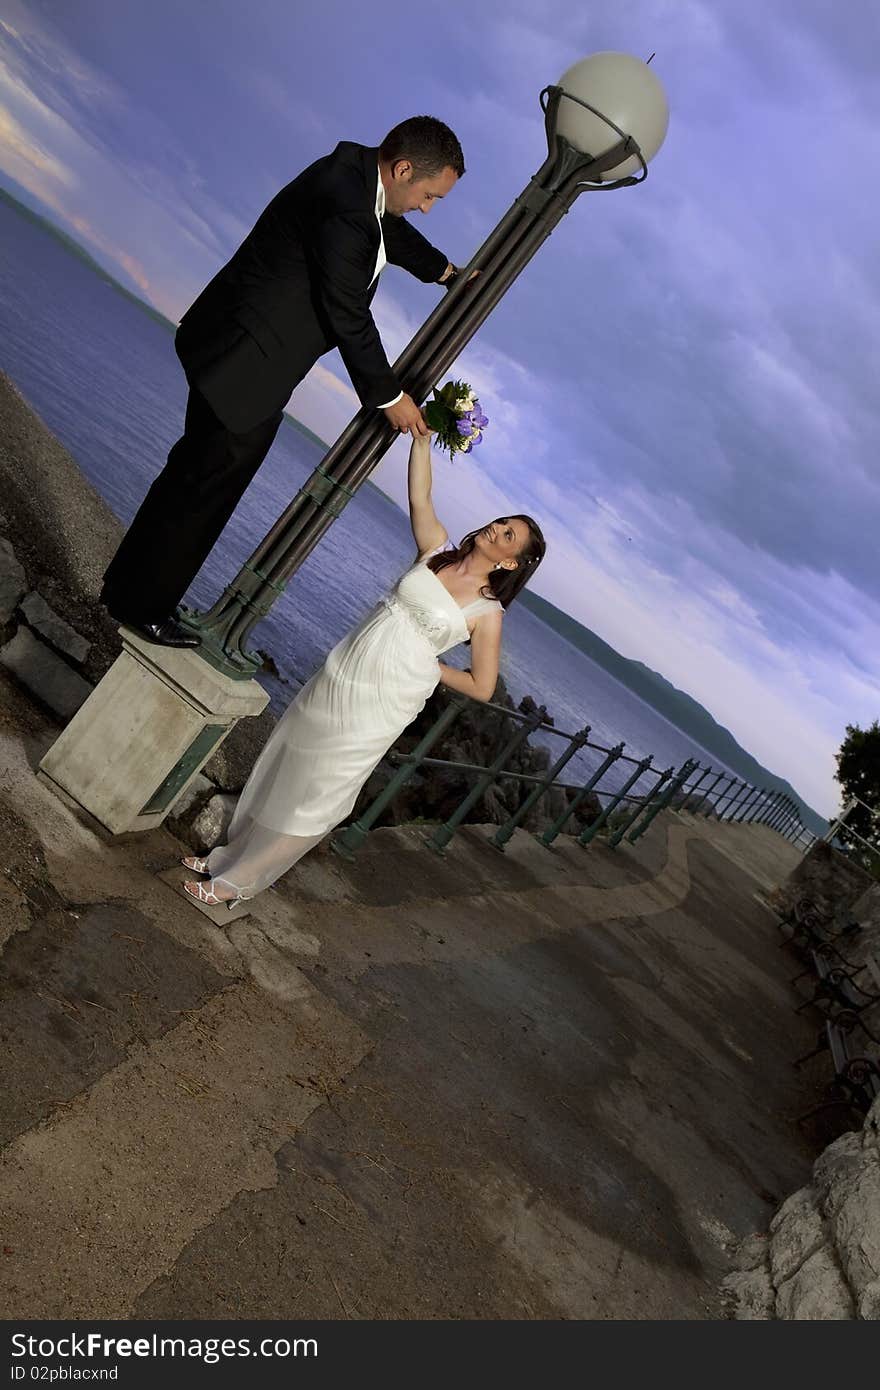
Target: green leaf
436 414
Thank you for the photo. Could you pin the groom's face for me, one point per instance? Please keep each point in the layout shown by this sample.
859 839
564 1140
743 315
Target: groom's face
409 193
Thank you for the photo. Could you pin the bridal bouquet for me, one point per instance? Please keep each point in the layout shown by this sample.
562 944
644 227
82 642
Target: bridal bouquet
456 415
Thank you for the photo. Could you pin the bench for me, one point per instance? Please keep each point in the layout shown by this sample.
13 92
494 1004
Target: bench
856 1083
826 949
810 930
838 986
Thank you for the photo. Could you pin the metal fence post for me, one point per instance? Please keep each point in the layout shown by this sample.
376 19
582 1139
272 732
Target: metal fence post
751 803
775 812
749 810
444 833
662 778
768 810
349 840
747 805
735 802
781 813
721 796
703 771
549 835
759 806
707 772
664 801
788 817
504 832
726 796
708 792
588 833
736 807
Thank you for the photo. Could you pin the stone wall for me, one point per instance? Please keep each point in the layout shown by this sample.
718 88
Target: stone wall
37 646
831 879
820 1258
59 537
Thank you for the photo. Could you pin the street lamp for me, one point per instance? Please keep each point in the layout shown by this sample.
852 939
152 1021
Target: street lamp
613 97
605 118
157 716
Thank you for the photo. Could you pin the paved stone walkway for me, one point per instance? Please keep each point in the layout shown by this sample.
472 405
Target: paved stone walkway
537 1084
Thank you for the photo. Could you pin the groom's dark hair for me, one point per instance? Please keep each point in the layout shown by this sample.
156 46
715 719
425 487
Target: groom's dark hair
428 144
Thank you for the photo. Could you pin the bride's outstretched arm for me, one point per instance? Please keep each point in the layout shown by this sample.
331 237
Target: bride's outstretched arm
429 532
480 681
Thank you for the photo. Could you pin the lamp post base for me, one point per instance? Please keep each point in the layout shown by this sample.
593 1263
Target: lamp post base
145 731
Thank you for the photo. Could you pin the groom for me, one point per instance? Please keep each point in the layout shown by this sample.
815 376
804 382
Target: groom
300 284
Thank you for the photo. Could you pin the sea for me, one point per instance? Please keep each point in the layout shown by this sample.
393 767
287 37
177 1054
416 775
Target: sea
102 373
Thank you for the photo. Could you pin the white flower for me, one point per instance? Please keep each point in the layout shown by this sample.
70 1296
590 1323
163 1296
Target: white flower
465 403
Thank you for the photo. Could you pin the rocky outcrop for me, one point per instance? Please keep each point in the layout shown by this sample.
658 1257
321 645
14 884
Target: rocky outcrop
820 1259
475 738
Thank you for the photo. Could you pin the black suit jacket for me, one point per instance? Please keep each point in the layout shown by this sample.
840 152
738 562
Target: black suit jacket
298 286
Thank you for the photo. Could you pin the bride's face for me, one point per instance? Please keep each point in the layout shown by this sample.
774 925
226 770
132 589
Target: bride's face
503 541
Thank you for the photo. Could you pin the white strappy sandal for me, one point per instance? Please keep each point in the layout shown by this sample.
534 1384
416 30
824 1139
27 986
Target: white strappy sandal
198 866
204 893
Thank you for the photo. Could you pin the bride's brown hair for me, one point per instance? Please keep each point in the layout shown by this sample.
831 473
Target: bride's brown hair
501 584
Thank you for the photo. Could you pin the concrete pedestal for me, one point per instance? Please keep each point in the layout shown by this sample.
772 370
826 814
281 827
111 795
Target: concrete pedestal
144 732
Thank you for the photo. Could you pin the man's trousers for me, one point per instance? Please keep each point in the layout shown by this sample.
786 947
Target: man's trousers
183 514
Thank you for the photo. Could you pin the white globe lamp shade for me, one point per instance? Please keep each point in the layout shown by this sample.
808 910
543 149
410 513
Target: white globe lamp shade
625 90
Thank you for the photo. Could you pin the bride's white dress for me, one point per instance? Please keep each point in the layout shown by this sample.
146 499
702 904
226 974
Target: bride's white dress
335 731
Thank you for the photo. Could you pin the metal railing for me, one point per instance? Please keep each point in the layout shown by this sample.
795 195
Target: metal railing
623 811
865 848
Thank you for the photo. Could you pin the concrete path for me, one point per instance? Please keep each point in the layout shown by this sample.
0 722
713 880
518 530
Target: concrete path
537 1084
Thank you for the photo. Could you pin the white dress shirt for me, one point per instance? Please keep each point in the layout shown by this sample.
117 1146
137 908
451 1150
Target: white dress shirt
381 260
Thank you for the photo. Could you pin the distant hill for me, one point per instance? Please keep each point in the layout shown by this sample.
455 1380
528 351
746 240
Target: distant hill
679 708
675 705
78 250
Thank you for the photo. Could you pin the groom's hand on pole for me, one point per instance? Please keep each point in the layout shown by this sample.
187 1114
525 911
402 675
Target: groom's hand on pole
406 417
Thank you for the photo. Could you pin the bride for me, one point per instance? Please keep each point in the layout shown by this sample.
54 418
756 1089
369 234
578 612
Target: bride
370 688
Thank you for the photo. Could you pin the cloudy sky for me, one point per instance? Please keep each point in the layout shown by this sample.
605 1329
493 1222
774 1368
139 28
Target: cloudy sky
682 384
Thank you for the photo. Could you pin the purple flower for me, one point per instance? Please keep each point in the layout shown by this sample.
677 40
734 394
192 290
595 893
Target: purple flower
464 425
476 439
479 419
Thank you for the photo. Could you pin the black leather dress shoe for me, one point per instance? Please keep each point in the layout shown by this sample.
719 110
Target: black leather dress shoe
168 633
